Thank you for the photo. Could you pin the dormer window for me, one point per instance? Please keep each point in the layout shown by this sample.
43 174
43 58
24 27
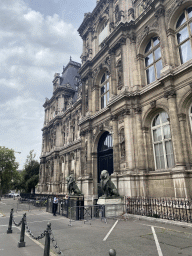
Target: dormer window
103 31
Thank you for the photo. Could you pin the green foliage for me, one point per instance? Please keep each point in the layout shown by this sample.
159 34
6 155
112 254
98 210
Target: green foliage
30 174
8 169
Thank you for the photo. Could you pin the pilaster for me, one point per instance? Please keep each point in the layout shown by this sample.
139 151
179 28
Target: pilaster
116 158
175 128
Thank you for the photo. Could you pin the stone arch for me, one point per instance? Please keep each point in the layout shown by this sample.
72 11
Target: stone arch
100 72
174 12
97 138
185 102
151 112
145 39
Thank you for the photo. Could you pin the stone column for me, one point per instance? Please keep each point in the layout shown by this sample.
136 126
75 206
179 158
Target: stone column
89 151
90 51
82 155
60 103
58 135
134 64
113 85
182 121
160 15
56 175
116 159
90 85
124 60
140 142
95 102
175 129
129 156
111 17
83 97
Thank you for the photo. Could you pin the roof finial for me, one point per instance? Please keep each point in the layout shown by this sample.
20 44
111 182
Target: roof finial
70 58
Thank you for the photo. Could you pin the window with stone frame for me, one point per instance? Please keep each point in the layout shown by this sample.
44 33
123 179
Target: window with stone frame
162 142
103 31
153 61
190 116
104 90
184 35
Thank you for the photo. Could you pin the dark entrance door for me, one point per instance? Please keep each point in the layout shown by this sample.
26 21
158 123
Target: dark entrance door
105 155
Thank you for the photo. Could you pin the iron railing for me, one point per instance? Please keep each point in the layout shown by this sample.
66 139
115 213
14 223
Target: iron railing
164 208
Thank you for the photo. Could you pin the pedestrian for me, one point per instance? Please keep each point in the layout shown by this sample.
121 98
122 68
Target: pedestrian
55 204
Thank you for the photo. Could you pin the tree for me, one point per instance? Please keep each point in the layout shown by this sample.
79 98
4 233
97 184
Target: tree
30 172
8 169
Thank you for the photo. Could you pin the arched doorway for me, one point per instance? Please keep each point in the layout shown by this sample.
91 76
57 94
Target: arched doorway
105 154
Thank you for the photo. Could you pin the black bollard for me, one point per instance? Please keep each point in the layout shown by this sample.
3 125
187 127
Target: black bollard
22 236
9 230
47 240
112 252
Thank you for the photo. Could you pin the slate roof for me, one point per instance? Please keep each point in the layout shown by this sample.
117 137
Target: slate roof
69 75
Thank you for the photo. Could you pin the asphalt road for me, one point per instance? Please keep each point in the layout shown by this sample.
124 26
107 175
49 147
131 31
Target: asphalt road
132 237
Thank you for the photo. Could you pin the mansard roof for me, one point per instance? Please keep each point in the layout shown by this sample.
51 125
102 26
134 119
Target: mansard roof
70 73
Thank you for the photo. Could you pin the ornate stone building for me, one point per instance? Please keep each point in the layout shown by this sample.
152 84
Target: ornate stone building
135 119
61 135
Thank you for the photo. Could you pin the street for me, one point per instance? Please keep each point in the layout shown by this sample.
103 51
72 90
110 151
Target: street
131 237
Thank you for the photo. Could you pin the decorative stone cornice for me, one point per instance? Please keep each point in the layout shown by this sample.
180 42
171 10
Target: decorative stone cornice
153 104
182 117
160 12
132 37
138 109
170 94
145 129
131 13
114 117
126 111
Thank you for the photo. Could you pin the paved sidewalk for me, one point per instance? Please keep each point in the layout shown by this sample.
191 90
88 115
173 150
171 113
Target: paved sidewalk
130 236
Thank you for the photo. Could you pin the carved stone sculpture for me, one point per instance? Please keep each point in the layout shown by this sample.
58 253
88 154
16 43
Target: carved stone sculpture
72 186
108 188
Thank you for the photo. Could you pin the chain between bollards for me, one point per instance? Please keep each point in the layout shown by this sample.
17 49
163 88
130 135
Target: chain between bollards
22 236
9 230
112 252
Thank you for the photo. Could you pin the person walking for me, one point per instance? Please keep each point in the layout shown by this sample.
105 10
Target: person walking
55 204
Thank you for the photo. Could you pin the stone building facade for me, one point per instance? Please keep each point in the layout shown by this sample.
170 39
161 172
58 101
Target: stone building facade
135 112
61 135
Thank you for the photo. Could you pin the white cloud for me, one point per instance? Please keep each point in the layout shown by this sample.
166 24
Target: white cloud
33 48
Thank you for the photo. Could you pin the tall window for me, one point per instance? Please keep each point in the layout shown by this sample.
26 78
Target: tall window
104 31
190 116
153 62
184 35
104 90
162 143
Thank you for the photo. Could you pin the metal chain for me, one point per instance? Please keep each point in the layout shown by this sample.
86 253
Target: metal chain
31 234
17 224
55 245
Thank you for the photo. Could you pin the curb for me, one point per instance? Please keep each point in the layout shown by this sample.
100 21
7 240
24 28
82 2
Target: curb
164 221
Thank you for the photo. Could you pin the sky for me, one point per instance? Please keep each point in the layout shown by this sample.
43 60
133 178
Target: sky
37 38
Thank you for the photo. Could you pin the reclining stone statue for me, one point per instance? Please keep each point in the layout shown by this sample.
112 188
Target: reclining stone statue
108 187
72 186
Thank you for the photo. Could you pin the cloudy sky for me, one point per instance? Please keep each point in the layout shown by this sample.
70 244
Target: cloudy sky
37 38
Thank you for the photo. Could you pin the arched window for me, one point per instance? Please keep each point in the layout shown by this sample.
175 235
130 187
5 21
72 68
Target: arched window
184 35
153 62
190 116
104 90
162 143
